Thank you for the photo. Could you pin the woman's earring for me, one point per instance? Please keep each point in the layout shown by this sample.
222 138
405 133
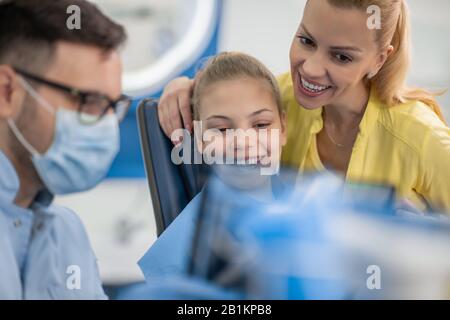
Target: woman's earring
371 75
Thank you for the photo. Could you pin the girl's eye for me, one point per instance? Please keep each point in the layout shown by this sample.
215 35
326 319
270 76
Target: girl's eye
262 125
222 129
342 58
306 41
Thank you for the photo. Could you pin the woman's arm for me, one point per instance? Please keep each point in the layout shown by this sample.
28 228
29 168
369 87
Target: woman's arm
434 180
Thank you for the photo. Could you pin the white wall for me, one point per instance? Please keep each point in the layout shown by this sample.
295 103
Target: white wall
263 28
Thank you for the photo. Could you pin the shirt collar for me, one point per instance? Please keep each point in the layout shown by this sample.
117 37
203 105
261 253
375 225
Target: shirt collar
9 181
9 185
317 120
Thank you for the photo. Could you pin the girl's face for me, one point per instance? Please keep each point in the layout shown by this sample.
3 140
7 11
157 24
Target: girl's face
332 53
247 106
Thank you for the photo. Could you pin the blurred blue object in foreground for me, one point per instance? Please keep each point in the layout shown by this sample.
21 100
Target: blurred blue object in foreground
318 238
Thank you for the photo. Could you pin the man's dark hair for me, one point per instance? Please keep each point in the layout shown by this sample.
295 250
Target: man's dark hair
30 29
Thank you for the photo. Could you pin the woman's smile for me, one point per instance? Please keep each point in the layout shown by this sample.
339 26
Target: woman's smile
311 89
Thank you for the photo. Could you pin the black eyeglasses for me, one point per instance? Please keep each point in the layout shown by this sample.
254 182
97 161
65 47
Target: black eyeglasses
92 105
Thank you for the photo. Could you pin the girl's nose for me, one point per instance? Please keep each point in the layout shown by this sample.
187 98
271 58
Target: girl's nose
245 144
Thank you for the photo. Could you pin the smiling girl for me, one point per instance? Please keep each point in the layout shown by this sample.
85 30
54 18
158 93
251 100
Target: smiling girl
348 107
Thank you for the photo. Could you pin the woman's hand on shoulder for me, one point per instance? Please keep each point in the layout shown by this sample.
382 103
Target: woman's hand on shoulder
174 107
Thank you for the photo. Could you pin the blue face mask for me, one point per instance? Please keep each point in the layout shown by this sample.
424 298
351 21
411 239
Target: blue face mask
80 155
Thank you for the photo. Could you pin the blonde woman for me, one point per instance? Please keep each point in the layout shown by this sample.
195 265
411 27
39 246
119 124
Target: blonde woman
348 108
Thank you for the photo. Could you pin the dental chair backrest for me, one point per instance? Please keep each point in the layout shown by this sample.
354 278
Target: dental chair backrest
172 186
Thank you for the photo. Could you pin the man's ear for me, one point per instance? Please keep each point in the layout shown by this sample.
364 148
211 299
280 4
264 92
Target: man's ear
11 93
283 128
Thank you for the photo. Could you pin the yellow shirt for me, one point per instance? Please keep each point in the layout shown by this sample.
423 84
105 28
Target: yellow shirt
406 146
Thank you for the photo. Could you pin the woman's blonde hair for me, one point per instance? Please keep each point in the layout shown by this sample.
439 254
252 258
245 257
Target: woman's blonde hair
231 66
390 81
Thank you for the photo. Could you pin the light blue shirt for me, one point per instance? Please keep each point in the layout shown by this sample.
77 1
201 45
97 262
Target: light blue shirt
44 250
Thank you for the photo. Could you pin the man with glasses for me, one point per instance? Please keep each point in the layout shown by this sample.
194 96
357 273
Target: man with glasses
60 108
